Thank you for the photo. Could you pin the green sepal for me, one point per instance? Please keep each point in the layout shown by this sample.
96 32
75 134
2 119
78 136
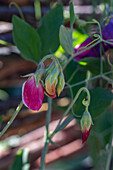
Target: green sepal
61 83
28 75
53 77
86 120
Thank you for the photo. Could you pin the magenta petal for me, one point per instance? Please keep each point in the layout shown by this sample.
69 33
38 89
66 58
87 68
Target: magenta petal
85 134
32 95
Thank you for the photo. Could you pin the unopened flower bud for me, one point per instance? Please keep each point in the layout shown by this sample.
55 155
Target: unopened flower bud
51 82
61 83
86 122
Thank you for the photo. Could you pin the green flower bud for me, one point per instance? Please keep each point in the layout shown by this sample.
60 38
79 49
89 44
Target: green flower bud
51 82
86 122
61 83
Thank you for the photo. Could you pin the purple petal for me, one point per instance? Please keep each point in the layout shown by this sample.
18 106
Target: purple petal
32 95
107 32
92 52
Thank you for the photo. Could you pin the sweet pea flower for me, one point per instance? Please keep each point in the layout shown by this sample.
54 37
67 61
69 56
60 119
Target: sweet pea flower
86 122
92 52
32 95
107 34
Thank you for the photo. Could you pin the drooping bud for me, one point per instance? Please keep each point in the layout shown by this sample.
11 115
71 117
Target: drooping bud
32 95
51 82
86 122
61 83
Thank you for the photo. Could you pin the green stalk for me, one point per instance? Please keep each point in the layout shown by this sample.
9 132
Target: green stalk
70 106
19 9
74 55
12 119
107 167
45 149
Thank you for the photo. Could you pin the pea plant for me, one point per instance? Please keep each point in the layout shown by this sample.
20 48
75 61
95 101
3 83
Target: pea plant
85 70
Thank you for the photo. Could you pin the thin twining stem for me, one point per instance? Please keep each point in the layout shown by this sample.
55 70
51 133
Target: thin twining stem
74 55
19 9
107 167
93 78
12 119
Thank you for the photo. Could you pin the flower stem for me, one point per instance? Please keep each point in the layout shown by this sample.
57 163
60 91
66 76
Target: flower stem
45 149
18 8
12 119
70 106
74 55
107 167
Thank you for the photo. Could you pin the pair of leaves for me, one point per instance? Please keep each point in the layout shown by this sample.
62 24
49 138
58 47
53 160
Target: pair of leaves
33 44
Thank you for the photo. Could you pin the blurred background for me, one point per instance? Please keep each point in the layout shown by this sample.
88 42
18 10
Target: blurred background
24 139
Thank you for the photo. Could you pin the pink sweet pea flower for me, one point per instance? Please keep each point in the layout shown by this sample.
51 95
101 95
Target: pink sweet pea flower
32 95
107 34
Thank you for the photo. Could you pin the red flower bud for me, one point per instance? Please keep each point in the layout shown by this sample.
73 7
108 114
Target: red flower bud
32 95
86 122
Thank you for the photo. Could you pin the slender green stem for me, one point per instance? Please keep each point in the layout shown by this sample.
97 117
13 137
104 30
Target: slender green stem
108 41
12 119
19 9
92 78
70 106
71 92
85 47
73 74
74 55
107 167
45 149
109 62
54 59
84 81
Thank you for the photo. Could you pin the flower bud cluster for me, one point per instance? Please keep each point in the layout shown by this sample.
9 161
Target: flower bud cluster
48 80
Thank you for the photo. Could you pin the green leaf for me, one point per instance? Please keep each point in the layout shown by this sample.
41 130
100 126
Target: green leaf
1 119
21 161
26 39
92 64
65 122
49 30
72 15
74 75
100 100
66 40
3 95
99 137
